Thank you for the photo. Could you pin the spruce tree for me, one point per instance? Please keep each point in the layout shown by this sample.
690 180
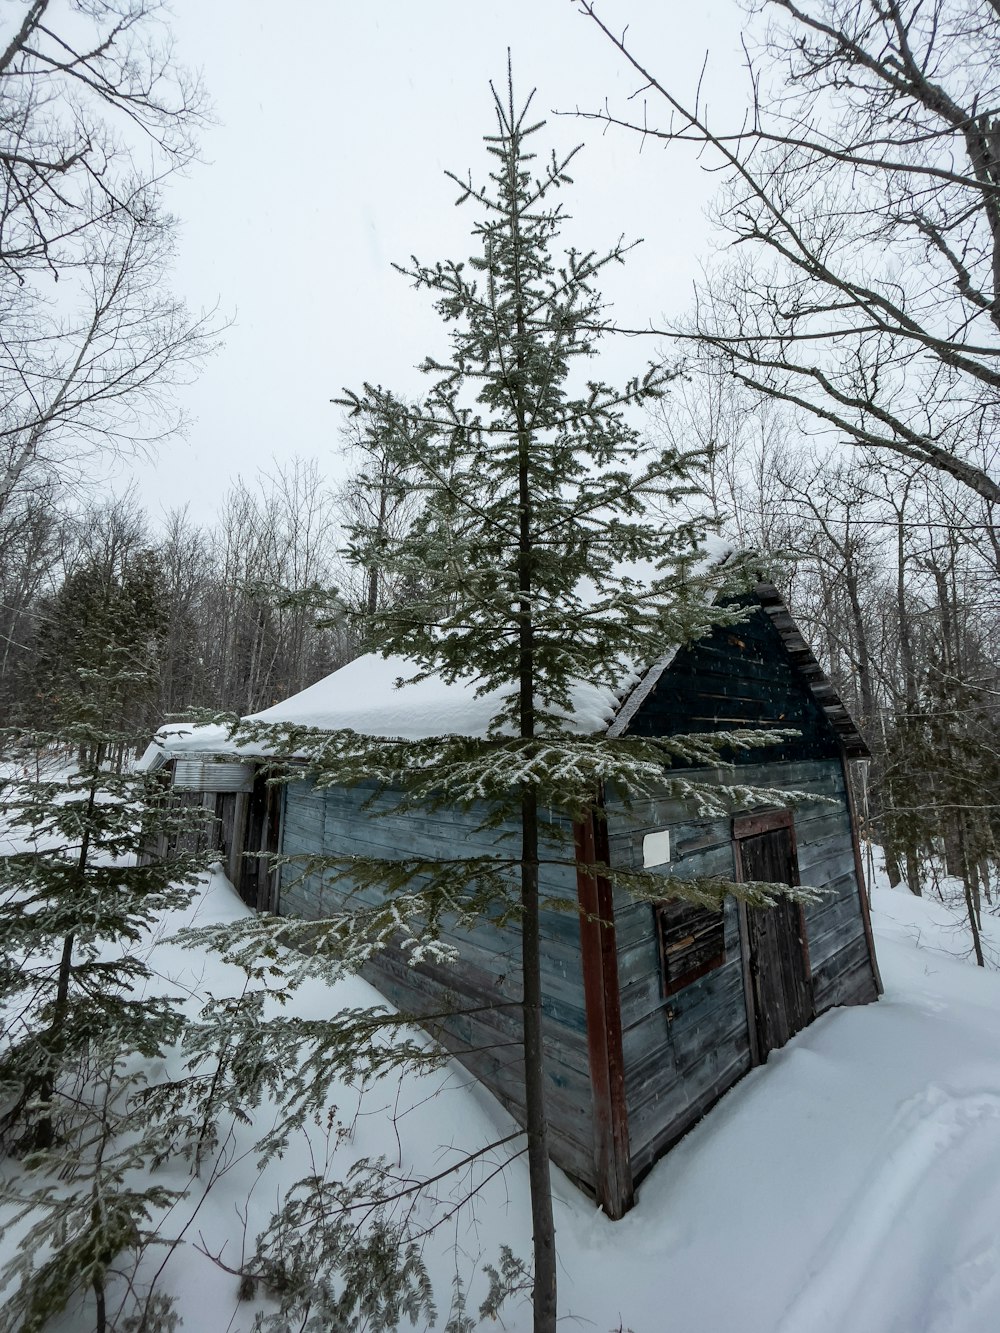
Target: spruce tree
539 560
540 504
110 606
77 898
533 482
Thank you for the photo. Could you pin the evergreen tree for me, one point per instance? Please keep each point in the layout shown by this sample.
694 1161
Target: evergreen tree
534 484
76 903
537 563
103 631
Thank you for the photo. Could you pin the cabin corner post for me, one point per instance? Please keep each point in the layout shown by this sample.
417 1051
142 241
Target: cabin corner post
859 873
274 878
749 998
599 962
234 866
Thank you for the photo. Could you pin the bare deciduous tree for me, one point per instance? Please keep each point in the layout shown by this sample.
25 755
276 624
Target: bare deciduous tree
272 574
94 112
863 203
82 86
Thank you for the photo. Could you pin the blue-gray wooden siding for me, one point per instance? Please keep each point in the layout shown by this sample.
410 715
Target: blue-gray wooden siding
487 975
683 1051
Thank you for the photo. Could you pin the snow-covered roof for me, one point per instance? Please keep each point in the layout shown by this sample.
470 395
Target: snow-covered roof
364 696
154 756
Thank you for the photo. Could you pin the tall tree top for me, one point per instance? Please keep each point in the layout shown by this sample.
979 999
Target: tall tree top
538 492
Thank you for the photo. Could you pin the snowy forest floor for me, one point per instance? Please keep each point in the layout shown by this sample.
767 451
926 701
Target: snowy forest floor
852 1183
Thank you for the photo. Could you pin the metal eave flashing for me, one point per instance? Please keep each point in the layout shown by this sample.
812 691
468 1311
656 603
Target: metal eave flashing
640 693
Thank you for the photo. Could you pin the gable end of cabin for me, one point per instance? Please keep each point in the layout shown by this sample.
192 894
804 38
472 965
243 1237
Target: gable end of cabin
704 996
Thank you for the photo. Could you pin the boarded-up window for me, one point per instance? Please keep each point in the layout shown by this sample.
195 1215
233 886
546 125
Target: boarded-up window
692 942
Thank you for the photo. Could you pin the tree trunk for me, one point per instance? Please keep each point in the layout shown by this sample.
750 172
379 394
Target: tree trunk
913 871
544 1292
543 1226
101 1324
909 702
44 1135
971 894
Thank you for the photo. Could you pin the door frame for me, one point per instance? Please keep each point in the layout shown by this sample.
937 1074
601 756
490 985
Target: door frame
749 826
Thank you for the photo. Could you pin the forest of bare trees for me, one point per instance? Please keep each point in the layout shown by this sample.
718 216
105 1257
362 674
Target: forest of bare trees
845 374
892 575
234 606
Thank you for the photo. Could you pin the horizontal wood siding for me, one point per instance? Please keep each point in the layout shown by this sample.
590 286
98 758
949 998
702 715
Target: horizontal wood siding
683 1051
477 993
740 676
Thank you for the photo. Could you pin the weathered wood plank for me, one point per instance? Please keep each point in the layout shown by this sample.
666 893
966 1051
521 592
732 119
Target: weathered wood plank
652 1081
488 1044
657 1126
484 982
682 1052
827 860
829 929
846 977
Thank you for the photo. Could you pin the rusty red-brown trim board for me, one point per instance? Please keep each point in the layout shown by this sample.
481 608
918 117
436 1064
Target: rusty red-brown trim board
599 960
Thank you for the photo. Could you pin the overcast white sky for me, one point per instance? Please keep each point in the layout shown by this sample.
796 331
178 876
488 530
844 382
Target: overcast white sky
336 123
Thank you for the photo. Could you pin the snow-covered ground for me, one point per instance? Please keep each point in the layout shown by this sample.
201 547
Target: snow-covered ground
851 1184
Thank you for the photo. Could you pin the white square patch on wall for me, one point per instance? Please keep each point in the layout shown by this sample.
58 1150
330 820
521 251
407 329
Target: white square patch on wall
656 849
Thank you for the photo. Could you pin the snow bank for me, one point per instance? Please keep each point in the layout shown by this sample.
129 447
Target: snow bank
852 1183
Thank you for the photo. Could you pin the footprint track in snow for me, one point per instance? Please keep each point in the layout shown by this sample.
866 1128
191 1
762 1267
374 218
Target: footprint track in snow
875 1270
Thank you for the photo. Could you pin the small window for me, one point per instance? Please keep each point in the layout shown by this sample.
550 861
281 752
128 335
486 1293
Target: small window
692 942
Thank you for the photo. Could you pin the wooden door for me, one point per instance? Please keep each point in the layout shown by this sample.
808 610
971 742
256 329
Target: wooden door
779 984
261 836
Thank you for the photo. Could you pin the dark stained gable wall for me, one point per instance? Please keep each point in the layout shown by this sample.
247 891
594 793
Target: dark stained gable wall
741 676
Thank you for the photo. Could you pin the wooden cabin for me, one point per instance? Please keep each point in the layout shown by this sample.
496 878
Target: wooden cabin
651 1012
